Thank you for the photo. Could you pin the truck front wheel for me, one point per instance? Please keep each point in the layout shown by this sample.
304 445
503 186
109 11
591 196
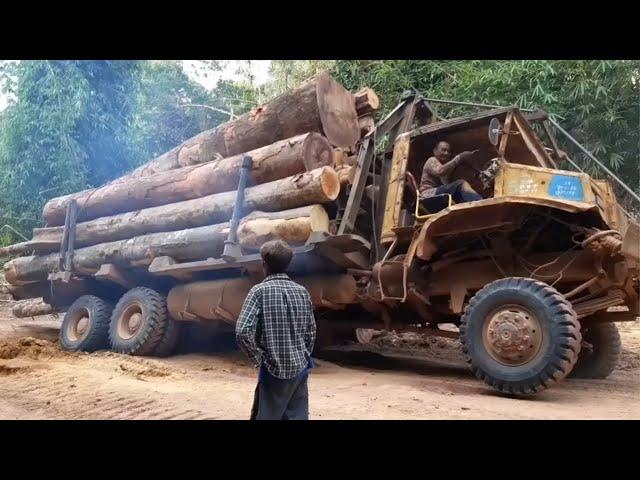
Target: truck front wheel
85 326
520 335
139 322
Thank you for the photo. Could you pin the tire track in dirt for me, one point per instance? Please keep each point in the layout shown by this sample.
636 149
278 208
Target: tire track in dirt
54 390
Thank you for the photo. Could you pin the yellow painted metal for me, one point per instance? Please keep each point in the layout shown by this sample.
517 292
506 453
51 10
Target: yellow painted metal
428 215
395 189
533 182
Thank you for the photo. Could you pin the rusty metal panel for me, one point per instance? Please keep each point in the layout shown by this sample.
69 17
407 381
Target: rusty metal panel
544 183
532 141
395 191
490 213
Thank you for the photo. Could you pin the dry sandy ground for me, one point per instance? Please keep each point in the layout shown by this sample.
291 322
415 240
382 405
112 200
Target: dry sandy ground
38 381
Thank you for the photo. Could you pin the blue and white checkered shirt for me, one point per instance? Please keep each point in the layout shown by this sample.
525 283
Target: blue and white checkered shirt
276 327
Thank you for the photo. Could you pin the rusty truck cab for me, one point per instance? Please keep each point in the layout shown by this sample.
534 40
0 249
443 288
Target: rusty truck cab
518 144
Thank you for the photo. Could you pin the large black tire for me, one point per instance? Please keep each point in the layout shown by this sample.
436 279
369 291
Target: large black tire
169 340
605 355
85 326
138 322
523 352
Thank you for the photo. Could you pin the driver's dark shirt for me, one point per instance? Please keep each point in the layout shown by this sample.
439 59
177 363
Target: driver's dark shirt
433 174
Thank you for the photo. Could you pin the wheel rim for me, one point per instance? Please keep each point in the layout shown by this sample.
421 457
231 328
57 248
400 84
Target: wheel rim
130 321
512 335
78 326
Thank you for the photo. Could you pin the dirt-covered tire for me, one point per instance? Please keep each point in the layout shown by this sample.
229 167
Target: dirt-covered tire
138 322
520 335
85 326
169 340
604 356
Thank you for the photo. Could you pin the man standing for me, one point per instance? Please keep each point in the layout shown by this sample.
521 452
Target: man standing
277 330
436 171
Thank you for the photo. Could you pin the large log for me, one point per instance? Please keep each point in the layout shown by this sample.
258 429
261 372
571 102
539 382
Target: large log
366 101
319 104
295 226
282 159
31 308
366 124
188 244
318 186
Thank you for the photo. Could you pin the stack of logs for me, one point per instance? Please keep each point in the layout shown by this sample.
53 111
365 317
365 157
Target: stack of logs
302 145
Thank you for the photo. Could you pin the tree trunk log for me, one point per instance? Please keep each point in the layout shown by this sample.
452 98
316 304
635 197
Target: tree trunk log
345 176
366 124
318 186
31 308
294 226
189 244
319 104
282 159
366 101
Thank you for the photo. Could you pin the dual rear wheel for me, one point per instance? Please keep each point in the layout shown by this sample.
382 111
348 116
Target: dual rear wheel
137 325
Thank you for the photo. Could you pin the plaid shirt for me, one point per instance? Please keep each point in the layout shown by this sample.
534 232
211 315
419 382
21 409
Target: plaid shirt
276 327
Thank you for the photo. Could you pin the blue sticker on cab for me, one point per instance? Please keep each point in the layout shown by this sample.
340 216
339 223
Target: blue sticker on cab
567 187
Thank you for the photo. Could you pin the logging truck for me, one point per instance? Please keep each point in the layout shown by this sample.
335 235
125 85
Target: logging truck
529 275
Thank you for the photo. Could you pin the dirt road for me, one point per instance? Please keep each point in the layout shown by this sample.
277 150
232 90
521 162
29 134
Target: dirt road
38 381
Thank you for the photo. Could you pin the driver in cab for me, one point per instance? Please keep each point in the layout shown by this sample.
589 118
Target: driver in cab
436 171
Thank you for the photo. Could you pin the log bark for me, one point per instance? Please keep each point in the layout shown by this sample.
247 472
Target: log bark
282 159
366 124
31 308
319 104
318 186
366 101
345 176
188 244
294 226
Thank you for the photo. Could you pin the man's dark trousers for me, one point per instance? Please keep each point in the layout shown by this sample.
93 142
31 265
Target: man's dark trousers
460 191
277 399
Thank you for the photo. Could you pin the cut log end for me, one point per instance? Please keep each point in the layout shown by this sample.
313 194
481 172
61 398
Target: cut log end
366 101
330 183
337 112
317 152
294 226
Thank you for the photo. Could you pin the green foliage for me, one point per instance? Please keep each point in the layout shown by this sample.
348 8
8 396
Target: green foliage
595 101
169 108
286 74
73 125
65 130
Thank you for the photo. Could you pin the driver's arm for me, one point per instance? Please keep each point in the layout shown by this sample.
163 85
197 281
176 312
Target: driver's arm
435 168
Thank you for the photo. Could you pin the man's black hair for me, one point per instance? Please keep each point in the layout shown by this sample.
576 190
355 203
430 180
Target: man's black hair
276 254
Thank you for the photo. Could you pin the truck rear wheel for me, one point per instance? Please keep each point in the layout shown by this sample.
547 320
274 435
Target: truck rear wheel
85 326
139 322
520 335
602 359
169 340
